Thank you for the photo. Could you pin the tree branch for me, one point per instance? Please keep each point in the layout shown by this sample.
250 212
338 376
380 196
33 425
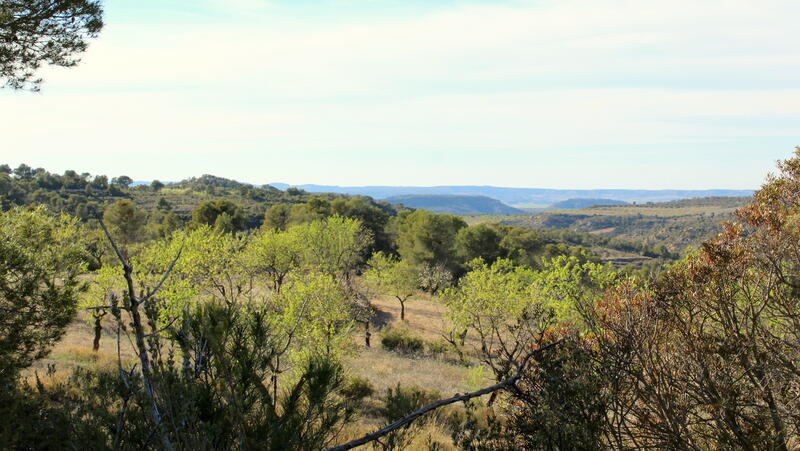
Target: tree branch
408 419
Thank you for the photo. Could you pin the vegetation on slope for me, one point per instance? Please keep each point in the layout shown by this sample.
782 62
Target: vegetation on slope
455 204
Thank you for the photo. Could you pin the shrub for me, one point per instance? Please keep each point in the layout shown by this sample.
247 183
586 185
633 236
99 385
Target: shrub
358 388
400 339
401 401
437 347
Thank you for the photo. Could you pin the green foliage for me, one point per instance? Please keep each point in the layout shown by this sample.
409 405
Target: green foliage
562 402
401 401
275 254
41 259
277 217
314 315
428 238
479 241
36 32
222 214
401 339
393 277
358 388
334 246
125 220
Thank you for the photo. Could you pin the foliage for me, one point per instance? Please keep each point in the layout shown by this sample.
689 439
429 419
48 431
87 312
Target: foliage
499 304
125 220
428 238
222 214
400 339
334 246
275 253
479 241
400 401
434 278
33 32
392 277
358 388
560 402
41 259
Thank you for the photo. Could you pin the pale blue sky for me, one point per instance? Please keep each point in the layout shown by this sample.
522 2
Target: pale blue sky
548 93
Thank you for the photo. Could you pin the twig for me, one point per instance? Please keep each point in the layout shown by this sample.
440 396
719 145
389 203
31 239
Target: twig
114 246
164 278
408 419
162 329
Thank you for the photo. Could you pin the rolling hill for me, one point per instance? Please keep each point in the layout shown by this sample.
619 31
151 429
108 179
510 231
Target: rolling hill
577 204
521 196
455 204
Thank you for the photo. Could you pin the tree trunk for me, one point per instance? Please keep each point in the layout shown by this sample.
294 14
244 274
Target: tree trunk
367 335
98 330
402 308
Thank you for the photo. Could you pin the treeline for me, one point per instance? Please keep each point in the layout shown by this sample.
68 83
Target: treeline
591 240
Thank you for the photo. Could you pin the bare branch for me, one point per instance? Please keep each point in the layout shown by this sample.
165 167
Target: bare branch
164 278
408 419
163 328
114 246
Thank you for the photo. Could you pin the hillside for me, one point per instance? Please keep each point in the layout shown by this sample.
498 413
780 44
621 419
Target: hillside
521 196
675 225
455 204
577 204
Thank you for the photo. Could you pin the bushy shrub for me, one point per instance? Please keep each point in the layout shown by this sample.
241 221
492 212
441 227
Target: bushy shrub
437 347
400 339
401 401
357 388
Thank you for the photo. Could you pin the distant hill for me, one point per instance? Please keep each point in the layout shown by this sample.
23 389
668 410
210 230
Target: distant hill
522 196
675 224
577 204
455 204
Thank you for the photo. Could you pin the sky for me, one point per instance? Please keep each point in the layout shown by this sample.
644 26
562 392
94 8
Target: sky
639 94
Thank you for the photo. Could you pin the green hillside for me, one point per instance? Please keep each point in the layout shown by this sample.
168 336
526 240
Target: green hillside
455 204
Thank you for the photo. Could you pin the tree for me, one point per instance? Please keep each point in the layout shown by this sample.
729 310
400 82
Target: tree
500 304
434 278
122 180
126 220
33 32
163 204
221 214
429 238
156 185
41 259
393 277
334 246
277 217
275 253
23 172
479 241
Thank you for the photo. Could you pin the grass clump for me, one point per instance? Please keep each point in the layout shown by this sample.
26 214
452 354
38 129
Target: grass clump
400 339
401 401
358 388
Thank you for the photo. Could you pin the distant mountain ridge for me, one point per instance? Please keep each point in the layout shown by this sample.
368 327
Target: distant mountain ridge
577 204
455 204
522 196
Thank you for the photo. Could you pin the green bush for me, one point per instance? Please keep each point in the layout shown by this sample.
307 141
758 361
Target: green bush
437 347
401 401
357 388
400 339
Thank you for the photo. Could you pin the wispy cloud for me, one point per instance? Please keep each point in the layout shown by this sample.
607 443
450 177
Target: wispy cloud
474 83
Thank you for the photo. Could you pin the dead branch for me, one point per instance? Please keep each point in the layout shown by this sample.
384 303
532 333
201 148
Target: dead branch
408 419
